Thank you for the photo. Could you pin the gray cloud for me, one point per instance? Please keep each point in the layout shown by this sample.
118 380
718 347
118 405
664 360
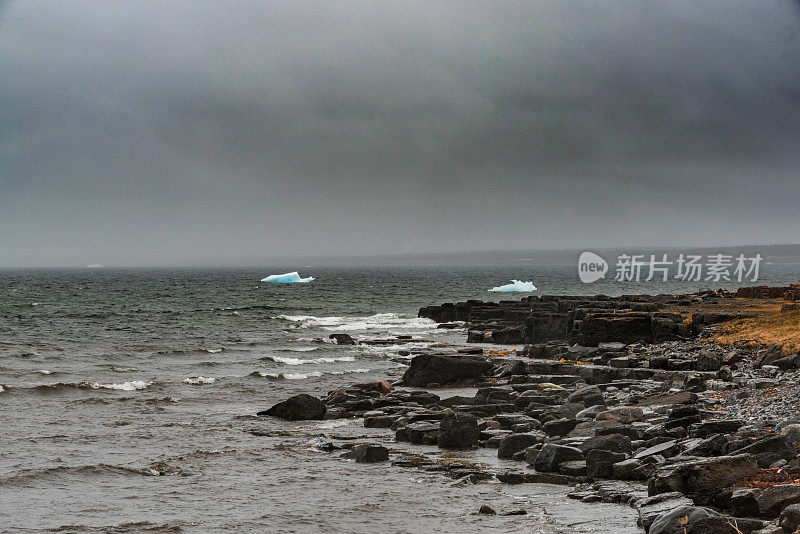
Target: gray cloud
164 131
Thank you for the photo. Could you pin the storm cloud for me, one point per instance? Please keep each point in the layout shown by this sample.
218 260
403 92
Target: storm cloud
155 132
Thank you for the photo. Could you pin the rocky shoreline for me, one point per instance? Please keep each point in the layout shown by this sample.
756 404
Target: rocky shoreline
626 399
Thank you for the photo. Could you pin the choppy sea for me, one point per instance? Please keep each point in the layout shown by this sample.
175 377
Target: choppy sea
127 401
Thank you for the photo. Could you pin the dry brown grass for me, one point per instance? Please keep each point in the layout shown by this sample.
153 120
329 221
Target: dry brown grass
781 328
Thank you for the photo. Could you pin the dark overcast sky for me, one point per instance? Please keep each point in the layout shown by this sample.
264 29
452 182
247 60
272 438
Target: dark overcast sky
158 131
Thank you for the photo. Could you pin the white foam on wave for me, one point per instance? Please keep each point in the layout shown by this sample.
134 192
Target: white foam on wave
379 321
2 389
301 349
300 361
132 385
125 369
515 286
43 372
198 380
287 278
213 351
348 371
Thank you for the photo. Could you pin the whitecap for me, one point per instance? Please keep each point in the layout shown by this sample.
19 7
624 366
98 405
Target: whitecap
213 351
289 376
198 380
299 361
379 321
123 386
124 369
348 371
2 389
43 372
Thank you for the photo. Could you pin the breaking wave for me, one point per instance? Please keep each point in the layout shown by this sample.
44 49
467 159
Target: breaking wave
300 361
379 321
199 380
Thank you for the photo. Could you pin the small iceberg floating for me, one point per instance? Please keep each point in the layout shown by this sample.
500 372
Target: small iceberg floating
515 286
287 278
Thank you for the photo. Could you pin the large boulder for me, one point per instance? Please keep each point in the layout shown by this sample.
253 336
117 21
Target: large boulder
458 431
444 369
297 408
702 479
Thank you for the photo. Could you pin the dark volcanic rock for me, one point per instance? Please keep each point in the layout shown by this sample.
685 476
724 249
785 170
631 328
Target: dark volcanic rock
367 453
297 408
670 522
444 369
458 431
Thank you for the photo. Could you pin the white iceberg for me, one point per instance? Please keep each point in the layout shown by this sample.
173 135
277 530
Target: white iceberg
515 286
287 278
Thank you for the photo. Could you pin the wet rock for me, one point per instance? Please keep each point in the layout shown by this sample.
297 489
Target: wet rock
744 502
681 520
487 510
552 455
444 369
632 469
710 446
609 442
423 433
652 507
715 426
379 420
708 361
684 397
769 450
590 413
666 449
342 339
559 427
589 396
458 431
599 462
367 453
508 336
792 434
514 443
298 408
573 468
622 414
702 479
789 520
774 499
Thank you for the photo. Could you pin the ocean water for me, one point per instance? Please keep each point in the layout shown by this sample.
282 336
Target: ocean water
127 401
